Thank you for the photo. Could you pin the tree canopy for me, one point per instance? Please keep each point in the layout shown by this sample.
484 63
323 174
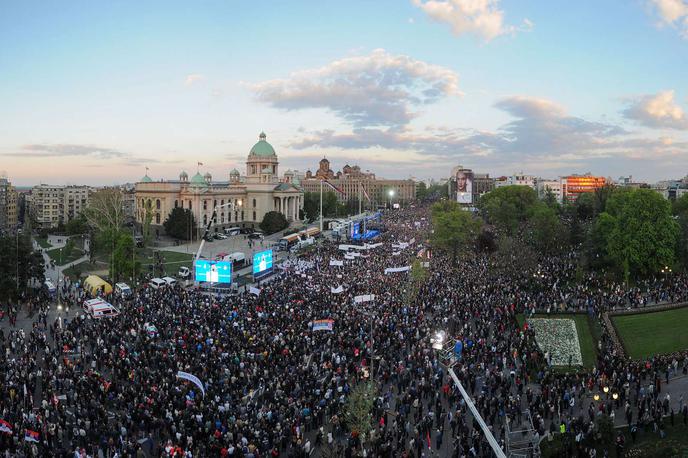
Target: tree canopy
179 223
453 227
506 207
637 232
273 222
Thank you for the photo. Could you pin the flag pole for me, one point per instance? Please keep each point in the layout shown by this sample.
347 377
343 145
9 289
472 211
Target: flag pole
321 212
360 202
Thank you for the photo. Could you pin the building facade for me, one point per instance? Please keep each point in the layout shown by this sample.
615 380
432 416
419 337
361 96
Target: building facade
54 205
466 187
574 185
352 182
516 180
242 201
8 206
554 186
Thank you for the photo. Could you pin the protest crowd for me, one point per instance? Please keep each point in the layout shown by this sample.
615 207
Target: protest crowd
271 385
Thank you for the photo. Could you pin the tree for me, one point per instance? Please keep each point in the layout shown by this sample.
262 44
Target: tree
417 278
19 265
421 191
585 206
273 222
311 205
77 226
641 237
124 264
358 410
454 227
680 210
179 223
105 215
545 228
508 206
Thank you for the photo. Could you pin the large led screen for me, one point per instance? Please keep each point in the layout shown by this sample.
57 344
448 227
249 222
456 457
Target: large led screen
213 272
262 262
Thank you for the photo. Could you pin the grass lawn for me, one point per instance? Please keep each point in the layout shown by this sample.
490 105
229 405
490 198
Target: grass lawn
172 261
647 444
43 242
647 334
585 337
70 253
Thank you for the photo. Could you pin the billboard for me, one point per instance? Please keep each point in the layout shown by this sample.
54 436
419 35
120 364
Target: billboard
262 263
464 186
213 272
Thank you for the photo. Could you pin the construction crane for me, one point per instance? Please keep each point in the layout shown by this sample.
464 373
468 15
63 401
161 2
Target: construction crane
210 223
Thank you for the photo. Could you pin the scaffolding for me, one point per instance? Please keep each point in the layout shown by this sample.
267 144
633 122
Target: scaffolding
521 442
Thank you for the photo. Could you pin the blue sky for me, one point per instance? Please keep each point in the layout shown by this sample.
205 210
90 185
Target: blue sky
94 92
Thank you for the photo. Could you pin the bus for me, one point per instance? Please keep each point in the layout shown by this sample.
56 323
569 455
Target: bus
288 241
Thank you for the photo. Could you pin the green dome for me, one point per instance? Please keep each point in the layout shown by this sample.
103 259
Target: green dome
146 179
198 180
234 172
263 148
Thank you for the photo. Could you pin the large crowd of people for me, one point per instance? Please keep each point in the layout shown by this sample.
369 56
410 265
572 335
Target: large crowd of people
274 386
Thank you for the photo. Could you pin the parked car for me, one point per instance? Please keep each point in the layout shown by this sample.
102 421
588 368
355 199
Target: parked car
208 238
255 235
157 283
220 236
184 273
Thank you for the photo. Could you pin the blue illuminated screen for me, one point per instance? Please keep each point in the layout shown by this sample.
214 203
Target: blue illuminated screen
213 272
262 261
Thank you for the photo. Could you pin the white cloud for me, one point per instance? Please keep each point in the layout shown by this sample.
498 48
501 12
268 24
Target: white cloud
478 17
657 110
379 89
542 134
193 79
673 13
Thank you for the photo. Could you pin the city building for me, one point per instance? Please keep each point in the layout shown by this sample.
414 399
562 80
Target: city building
466 187
54 205
544 186
242 201
574 185
8 206
627 182
516 180
352 181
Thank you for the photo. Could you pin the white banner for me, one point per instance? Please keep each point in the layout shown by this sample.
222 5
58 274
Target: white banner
193 379
348 256
396 253
400 246
364 298
412 241
254 290
390 270
334 262
426 264
337 290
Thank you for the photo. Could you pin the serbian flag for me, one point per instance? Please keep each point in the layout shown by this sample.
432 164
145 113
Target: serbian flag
5 427
333 187
32 436
365 193
427 437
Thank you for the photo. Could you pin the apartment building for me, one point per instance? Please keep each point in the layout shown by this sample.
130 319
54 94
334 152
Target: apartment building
51 205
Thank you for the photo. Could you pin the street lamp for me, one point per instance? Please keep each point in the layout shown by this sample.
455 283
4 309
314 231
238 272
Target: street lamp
391 195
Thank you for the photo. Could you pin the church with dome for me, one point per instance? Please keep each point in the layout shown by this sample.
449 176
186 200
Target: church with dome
241 201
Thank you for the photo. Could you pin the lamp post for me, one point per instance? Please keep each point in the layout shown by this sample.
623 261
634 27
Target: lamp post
391 195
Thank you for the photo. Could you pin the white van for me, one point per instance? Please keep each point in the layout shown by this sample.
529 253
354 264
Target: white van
157 283
50 287
170 281
232 231
123 290
98 308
